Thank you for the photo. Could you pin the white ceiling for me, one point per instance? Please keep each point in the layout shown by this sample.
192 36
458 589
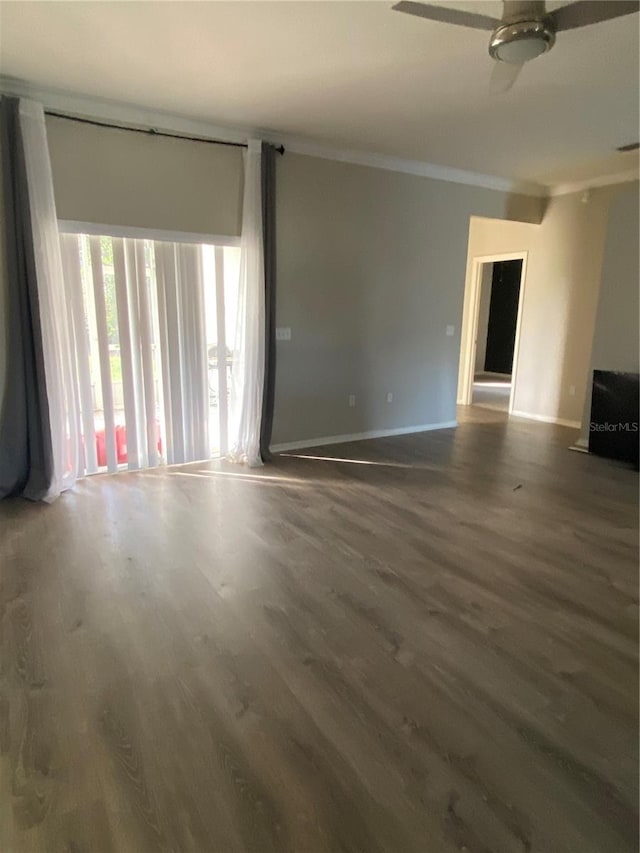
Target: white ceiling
347 74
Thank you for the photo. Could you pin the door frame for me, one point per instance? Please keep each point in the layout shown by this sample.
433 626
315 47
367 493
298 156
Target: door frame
468 343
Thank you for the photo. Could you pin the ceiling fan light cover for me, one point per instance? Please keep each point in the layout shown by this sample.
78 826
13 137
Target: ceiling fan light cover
521 42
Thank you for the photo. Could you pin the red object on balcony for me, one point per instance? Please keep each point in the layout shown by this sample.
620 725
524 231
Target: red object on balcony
121 445
101 448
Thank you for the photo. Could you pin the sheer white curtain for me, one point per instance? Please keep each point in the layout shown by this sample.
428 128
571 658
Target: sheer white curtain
183 348
57 334
248 357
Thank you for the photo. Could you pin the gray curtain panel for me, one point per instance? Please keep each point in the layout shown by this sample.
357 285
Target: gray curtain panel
269 155
26 459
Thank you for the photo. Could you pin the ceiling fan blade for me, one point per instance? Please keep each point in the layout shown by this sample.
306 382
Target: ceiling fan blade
586 12
522 10
503 76
447 15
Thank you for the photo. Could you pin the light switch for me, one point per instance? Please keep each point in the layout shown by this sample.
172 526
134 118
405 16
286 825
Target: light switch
283 333
451 331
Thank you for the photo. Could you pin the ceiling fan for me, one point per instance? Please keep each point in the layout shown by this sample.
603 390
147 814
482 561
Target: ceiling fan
526 30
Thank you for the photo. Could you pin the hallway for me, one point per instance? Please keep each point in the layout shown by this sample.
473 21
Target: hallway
491 391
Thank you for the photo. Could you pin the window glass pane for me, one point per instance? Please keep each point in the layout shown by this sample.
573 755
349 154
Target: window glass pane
92 330
113 335
231 283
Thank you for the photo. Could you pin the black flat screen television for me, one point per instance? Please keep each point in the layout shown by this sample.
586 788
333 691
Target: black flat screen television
613 430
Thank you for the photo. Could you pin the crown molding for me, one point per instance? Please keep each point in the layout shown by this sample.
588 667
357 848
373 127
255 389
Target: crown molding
136 115
594 183
298 145
122 113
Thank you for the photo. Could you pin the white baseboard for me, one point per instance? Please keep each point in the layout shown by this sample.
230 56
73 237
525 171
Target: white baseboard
359 436
547 419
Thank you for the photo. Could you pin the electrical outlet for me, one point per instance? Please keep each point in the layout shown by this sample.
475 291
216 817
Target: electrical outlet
451 331
283 333
352 401
389 397
572 390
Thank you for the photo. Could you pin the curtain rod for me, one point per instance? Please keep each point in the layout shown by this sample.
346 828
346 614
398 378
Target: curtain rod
152 131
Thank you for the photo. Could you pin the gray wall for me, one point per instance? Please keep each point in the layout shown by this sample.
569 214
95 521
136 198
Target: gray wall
615 338
371 270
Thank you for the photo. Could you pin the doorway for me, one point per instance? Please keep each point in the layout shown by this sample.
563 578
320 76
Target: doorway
488 358
496 334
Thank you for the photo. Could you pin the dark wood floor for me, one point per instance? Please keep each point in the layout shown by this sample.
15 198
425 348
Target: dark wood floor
427 643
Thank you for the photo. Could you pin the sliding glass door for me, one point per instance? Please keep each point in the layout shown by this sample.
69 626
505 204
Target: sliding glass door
154 331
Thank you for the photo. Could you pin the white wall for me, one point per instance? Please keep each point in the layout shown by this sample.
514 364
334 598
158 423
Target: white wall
615 339
559 301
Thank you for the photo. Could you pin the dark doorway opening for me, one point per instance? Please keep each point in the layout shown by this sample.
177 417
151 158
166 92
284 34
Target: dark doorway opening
503 316
496 333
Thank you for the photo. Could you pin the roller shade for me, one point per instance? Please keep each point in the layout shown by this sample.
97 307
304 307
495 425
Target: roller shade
116 177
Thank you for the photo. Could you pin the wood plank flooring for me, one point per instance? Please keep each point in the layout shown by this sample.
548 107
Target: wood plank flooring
426 643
